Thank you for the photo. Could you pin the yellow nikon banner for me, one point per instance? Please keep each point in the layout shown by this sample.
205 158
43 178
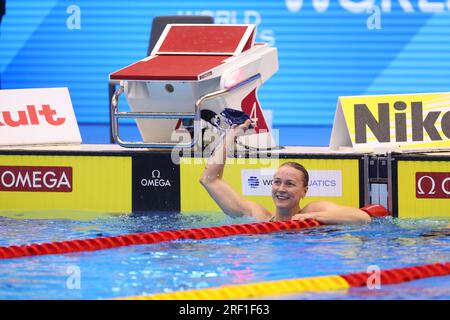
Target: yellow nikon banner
74 186
423 188
331 179
392 121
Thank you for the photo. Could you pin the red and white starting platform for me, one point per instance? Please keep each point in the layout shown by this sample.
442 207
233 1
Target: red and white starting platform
193 74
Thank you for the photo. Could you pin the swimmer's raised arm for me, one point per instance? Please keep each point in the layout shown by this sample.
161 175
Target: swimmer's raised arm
230 201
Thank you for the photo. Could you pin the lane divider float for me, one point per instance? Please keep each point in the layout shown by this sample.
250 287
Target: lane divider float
102 243
299 285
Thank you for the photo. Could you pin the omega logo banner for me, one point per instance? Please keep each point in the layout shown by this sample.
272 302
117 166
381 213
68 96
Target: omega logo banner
433 185
156 183
37 116
65 185
392 121
322 183
423 187
40 179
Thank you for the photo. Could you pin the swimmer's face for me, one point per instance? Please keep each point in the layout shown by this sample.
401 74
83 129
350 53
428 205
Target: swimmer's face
288 187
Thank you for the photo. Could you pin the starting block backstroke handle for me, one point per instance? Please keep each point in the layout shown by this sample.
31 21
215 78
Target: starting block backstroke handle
116 115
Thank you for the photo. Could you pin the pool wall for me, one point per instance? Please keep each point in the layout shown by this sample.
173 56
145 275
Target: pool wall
108 179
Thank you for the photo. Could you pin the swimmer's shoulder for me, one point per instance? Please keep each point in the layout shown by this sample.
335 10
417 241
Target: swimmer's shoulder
316 206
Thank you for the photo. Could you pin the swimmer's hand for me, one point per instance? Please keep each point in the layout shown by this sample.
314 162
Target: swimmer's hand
239 130
305 216
318 216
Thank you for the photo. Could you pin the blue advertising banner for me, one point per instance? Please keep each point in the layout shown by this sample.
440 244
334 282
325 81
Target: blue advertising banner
326 48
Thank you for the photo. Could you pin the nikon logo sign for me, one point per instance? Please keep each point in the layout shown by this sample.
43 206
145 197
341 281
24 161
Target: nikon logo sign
419 123
402 121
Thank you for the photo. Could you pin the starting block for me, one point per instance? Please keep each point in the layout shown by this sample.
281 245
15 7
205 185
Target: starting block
193 73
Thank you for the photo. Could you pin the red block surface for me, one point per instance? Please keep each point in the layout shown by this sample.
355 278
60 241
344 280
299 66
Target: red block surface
179 67
205 39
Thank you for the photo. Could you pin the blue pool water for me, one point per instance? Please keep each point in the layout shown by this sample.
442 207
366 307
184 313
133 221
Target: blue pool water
189 264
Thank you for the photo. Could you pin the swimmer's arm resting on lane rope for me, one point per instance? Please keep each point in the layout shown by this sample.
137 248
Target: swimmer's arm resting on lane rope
330 213
230 201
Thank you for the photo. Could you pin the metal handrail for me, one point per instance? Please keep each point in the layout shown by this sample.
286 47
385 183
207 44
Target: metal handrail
116 115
